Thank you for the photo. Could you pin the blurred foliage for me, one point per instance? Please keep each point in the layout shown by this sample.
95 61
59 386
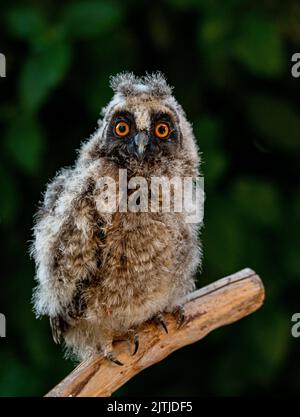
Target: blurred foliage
230 64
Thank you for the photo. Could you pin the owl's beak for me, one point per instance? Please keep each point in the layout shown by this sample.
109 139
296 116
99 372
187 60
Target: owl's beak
141 140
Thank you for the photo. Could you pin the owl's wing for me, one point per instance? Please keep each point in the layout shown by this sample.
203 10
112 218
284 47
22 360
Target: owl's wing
67 248
55 188
58 327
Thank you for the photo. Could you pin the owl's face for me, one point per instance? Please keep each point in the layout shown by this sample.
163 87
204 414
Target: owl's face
142 130
143 126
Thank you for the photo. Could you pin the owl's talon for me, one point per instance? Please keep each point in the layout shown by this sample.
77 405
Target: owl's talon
136 344
164 325
133 338
159 319
112 358
179 315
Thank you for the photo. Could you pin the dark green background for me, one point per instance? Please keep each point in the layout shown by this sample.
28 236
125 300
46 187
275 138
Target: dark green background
230 63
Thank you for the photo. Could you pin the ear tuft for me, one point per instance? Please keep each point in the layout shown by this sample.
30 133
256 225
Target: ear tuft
127 84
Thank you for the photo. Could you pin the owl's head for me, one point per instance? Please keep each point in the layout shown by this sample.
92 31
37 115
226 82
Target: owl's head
142 123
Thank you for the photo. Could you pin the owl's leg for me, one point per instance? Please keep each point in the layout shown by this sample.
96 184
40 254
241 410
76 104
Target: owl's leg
159 319
179 315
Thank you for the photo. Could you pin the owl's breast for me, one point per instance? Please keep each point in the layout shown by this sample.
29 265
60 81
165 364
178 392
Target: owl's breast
138 266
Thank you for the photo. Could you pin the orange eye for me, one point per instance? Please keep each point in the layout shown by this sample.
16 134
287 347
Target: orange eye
161 130
122 128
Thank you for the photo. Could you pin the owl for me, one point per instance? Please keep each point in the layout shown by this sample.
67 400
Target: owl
100 275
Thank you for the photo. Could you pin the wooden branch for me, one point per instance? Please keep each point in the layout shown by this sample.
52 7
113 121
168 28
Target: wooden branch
220 303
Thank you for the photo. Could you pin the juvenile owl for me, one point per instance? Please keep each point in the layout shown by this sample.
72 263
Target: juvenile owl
101 274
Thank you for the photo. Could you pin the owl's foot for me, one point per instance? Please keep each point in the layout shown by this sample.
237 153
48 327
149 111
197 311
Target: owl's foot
112 358
107 349
159 319
179 315
133 337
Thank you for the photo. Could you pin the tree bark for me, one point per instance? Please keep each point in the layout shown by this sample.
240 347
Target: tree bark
218 304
